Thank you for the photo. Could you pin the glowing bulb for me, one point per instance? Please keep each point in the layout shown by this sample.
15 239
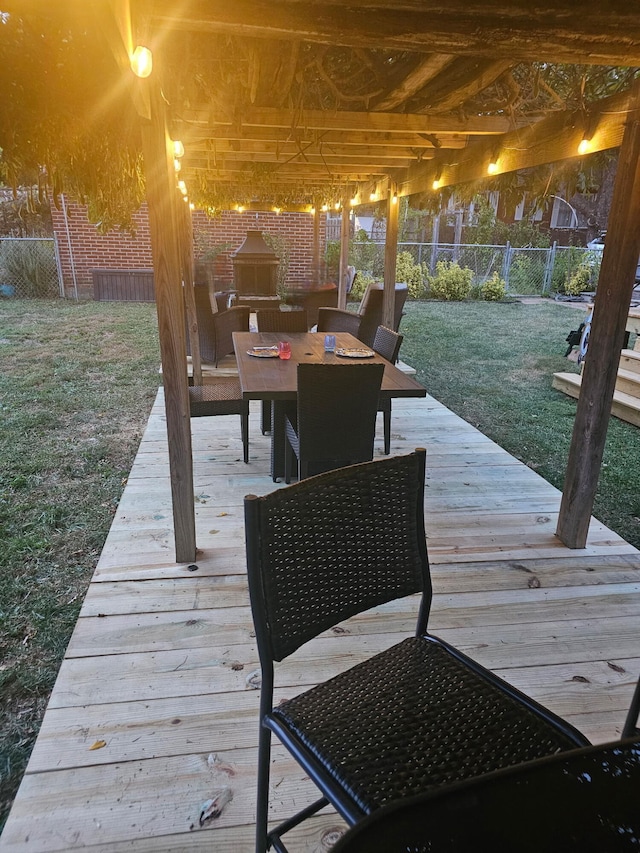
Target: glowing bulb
354 201
583 147
373 196
240 208
436 184
182 187
325 207
492 168
277 209
142 61
312 210
178 148
177 165
394 198
192 206
337 205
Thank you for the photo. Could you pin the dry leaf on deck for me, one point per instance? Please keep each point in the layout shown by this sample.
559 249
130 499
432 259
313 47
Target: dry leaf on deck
98 744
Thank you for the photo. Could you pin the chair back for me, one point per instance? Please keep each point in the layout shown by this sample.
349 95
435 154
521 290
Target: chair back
387 343
371 310
206 326
336 320
269 320
335 545
337 406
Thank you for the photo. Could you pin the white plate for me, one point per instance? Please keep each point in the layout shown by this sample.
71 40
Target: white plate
355 352
263 352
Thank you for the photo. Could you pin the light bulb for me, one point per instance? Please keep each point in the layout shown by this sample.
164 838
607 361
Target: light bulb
142 61
583 147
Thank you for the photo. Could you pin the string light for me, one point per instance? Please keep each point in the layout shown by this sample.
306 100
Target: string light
584 146
177 165
394 198
337 205
178 148
354 201
492 168
141 61
325 208
373 196
436 184
182 187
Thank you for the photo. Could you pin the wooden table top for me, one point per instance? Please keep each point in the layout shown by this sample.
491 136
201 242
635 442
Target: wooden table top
275 379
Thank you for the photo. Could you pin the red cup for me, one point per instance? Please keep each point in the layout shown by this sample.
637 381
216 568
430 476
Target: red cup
284 350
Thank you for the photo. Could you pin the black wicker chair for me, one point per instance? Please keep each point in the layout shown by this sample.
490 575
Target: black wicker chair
364 323
412 718
334 421
387 343
221 396
273 320
215 329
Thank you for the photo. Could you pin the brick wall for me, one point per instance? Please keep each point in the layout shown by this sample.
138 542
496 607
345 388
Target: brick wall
83 248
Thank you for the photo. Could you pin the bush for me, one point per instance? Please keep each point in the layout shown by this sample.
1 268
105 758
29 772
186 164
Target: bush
579 281
451 281
493 289
411 273
362 281
29 267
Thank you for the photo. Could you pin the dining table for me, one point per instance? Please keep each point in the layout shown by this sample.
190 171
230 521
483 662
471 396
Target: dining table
265 376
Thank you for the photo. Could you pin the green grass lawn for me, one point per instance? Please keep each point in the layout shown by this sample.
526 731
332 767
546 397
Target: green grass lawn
76 387
492 363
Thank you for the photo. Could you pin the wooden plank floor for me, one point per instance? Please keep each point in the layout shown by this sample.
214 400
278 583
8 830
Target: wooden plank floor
161 667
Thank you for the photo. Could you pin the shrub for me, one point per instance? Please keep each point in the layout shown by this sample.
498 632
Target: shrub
411 273
579 280
29 267
493 289
362 281
451 281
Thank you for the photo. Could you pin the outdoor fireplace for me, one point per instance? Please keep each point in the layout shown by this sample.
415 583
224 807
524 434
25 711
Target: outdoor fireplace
255 267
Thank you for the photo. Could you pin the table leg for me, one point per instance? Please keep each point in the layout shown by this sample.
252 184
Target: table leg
278 439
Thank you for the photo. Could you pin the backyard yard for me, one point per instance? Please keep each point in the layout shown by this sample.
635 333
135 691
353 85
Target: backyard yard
77 383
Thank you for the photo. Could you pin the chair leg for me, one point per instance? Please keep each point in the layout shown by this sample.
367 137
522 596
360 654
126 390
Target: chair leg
387 431
289 460
265 417
244 428
262 804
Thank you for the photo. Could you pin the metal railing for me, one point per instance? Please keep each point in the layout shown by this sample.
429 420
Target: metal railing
29 267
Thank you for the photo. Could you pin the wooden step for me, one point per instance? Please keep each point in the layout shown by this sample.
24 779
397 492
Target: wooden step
624 406
628 382
630 360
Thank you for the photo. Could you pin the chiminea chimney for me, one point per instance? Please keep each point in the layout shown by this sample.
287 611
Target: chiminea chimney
255 267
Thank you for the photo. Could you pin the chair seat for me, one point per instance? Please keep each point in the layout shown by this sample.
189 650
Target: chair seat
410 719
224 393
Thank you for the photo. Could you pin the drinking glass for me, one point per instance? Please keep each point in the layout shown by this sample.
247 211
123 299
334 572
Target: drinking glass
284 349
329 343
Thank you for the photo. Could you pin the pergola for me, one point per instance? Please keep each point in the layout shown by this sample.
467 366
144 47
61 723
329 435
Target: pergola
311 102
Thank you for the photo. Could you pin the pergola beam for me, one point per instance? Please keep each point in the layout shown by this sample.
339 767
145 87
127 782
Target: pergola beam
518 30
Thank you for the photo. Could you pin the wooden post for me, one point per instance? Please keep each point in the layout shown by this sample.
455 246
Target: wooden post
390 257
316 247
161 192
344 253
186 263
611 307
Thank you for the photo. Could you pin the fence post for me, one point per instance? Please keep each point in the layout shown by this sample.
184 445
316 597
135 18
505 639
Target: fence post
548 272
506 266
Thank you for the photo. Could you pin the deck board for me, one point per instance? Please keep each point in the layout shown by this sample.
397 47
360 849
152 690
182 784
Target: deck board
162 663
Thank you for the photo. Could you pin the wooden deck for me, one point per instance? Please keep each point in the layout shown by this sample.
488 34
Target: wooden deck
154 709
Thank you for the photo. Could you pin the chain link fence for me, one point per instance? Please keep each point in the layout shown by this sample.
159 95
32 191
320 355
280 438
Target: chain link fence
29 267
526 271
